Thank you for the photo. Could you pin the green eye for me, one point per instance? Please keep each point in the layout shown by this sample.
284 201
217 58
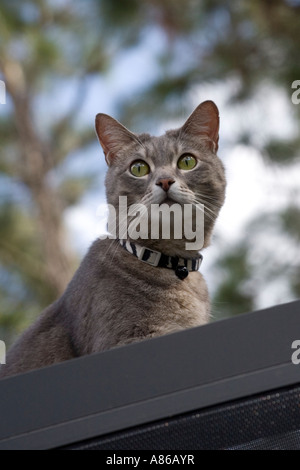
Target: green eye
139 168
186 162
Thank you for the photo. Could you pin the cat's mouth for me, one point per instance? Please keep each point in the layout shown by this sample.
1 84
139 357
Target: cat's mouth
169 201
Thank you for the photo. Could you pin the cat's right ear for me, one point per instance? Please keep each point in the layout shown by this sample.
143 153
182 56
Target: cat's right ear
204 124
112 135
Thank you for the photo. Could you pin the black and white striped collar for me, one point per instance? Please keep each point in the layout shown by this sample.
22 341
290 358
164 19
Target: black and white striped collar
181 266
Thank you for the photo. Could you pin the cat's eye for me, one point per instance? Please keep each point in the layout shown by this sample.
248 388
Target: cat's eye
139 168
186 162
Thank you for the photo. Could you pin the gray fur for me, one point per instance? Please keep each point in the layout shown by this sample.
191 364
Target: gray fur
113 298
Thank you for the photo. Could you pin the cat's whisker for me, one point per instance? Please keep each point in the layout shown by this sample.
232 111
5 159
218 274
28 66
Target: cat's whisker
209 206
211 214
203 209
213 206
147 201
208 201
214 200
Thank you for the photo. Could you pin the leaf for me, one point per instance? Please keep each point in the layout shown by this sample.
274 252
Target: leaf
283 152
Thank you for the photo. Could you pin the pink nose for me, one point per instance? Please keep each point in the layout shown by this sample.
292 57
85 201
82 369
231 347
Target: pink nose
165 183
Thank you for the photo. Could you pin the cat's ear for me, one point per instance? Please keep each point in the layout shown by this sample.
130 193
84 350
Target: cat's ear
112 135
204 123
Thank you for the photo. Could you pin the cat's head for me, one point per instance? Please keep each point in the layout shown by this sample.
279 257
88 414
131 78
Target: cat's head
179 167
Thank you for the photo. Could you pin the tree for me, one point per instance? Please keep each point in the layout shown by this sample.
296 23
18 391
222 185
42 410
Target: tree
34 59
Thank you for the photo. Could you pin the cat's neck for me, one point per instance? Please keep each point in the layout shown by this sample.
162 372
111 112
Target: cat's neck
168 247
181 266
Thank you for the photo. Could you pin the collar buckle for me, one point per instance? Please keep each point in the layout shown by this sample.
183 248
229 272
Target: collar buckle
149 256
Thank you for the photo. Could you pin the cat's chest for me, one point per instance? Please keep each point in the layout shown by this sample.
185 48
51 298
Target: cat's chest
131 301
164 299
188 296
130 292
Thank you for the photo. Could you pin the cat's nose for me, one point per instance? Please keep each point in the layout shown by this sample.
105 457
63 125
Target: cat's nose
165 183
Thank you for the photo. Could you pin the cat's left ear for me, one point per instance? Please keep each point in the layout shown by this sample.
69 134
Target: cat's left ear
204 123
112 135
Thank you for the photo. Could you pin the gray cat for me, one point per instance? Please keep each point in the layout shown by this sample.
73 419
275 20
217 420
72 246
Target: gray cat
129 290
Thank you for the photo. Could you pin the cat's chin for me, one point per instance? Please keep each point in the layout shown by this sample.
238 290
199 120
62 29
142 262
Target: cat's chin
168 201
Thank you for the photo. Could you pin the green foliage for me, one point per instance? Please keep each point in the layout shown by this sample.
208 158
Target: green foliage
234 296
40 45
290 219
20 250
23 289
283 152
72 189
